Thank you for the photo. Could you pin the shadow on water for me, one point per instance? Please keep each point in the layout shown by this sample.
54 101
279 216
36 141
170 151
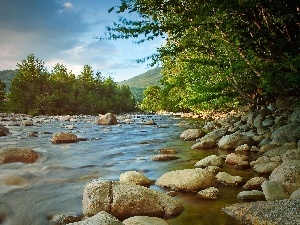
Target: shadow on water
54 185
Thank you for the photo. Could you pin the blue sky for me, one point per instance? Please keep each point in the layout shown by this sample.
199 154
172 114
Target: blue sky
64 32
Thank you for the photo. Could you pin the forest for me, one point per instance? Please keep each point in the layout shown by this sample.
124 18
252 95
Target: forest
35 91
217 54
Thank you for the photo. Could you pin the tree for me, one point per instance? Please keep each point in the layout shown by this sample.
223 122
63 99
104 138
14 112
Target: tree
2 94
220 48
152 101
29 85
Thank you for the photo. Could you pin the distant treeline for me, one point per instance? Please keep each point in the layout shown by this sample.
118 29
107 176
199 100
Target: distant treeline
35 91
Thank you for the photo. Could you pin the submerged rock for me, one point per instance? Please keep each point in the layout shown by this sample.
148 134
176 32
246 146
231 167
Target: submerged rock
209 193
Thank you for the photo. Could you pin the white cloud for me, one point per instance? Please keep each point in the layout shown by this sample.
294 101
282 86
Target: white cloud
68 5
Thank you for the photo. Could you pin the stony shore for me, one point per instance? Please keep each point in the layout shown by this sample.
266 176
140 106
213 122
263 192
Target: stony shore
272 132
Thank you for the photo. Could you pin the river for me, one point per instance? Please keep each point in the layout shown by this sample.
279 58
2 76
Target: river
31 193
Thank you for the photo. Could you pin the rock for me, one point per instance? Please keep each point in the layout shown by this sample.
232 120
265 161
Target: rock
65 219
232 141
242 149
145 220
254 183
295 194
192 134
134 177
189 179
286 134
24 155
293 154
4 131
237 159
167 151
126 200
212 160
268 122
62 137
251 195
107 119
209 193
280 151
26 123
164 157
149 122
281 212
102 218
229 180
266 168
288 174
210 139
295 116
284 103
274 191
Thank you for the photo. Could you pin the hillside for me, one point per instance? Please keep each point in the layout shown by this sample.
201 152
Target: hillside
139 83
6 76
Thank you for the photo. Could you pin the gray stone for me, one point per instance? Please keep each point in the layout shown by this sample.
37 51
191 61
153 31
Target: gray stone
134 177
286 134
251 195
102 218
62 137
164 157
295 116
232 141
107 119
145 220
295 194
229 180
254 183
274 191
266 168
281 212
293 154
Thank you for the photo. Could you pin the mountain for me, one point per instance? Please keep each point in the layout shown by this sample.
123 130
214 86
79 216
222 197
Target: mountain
139 83
6 76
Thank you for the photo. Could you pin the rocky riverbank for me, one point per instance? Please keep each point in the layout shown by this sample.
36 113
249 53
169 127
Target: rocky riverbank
271 132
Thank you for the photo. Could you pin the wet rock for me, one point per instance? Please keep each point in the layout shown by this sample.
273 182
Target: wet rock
145 220
281 212
192 134
164 157
279 151
4 131
62 137
205 144
127 200
134 177
24 155
295 194
167 151
149 122
242 149
251 195
229 180
212 160
288 174
107 119
189 179
209 193
26 123
274 191
102 218
232 141
254 183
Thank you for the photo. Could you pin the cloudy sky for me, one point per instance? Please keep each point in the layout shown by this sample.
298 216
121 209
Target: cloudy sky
65 31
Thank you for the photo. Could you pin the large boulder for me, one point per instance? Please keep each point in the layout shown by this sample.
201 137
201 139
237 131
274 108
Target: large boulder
189 179
134 177
229 180
24 155
192 134
254 183
232 141
274 191
107 119
251 195
3 131
286 134
280 212
62 137
288 174
127 200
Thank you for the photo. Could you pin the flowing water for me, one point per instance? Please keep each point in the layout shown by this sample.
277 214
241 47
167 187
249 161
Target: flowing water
31 193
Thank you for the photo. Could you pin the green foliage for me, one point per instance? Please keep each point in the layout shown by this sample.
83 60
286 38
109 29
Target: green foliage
219 54
152 100
35 91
